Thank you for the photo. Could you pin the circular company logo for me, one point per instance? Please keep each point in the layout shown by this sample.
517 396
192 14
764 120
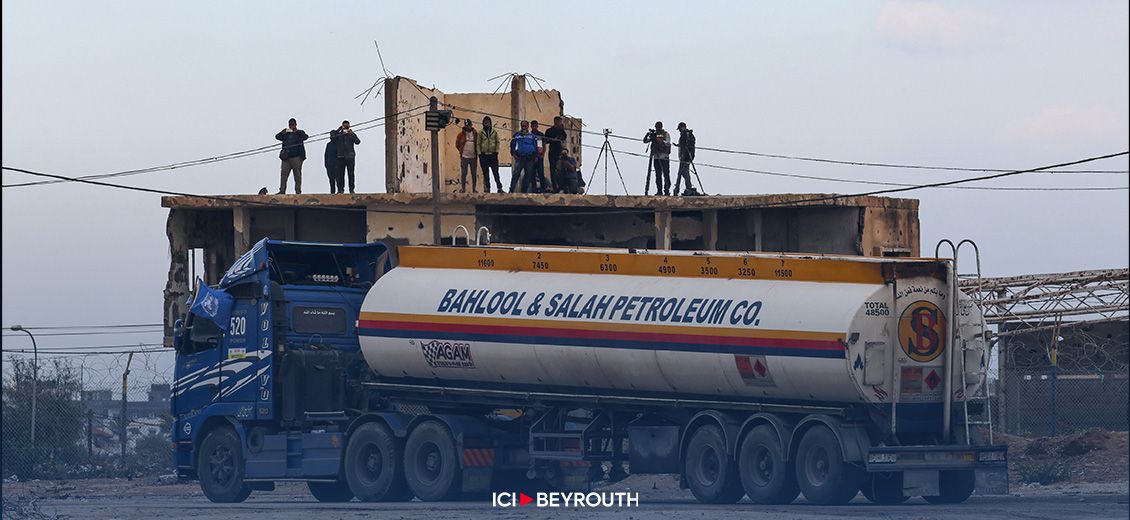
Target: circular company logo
922 331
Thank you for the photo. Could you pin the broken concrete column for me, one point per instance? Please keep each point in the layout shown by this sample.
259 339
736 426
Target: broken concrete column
177 285
241 230
710 229
663 229
517 101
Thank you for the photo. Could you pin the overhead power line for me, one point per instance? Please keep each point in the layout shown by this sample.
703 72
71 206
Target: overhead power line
802 158
74 327
362 126
87 333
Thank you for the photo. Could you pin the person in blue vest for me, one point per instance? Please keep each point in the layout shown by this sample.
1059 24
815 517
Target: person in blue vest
524 149
292 154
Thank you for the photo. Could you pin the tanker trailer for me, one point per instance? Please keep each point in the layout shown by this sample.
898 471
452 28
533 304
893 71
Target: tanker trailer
746 374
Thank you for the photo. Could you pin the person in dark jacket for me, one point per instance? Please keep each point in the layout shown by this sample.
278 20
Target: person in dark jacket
570 180
331 167
660 142
555 139
540 183
346 155
686 157
292 154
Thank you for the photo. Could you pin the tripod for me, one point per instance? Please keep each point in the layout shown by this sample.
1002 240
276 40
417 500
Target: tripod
606 148
679 178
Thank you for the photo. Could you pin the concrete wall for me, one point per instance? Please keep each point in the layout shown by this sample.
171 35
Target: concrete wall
890 232
408 143
408 147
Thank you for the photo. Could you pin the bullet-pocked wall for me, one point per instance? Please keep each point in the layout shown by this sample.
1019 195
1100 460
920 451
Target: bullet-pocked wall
408 143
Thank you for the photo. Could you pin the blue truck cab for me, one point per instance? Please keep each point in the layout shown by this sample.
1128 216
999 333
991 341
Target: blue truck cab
263 373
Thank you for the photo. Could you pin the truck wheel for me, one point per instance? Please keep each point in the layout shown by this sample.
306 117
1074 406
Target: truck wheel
884 488
220 467
766 476
954 487
430 463
373 468
711 474
330 491
823 475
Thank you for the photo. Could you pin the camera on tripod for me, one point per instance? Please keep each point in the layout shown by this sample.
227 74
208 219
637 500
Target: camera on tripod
650 135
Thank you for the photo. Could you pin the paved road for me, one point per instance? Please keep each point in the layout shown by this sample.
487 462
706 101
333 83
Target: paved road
273 506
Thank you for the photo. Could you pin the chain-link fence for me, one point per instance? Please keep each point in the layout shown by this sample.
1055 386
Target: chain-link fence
1060 382
66 418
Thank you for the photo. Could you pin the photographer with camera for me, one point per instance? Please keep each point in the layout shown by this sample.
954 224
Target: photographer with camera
292 154
686 157
660 142
346 155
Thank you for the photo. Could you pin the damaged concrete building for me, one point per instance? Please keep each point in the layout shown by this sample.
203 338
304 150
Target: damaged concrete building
216 230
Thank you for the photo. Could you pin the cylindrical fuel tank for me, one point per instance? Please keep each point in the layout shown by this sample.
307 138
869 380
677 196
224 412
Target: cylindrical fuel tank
752 326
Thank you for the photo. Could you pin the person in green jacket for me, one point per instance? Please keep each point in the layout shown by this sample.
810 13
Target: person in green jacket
487 145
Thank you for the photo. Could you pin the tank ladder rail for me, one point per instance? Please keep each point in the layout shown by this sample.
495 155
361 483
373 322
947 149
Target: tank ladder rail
983 394
466 233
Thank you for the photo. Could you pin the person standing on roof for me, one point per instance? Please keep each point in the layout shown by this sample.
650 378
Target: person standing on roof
686 157
661 155
465 143
524 149
346 155
487 145
331 166
539 162
555 138
292 154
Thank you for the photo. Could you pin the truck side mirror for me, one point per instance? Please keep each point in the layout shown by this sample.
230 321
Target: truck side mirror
178 336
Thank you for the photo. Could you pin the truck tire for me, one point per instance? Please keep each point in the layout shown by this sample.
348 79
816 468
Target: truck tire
954 487
765 474
821 472
711 473
431 464
220 466
884 488
330 491
373 468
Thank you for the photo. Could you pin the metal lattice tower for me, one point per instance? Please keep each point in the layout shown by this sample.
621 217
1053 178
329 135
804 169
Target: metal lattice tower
1040 300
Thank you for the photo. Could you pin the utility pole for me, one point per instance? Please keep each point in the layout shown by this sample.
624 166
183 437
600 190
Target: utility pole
436 236
125 418
34 378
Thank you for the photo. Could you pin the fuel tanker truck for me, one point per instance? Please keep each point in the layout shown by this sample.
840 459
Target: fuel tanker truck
436 372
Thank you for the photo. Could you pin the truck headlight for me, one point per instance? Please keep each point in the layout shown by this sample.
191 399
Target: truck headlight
991 456
881 458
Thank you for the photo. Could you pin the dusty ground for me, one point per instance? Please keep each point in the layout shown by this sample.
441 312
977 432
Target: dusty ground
1093 456
144 499
1094 485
